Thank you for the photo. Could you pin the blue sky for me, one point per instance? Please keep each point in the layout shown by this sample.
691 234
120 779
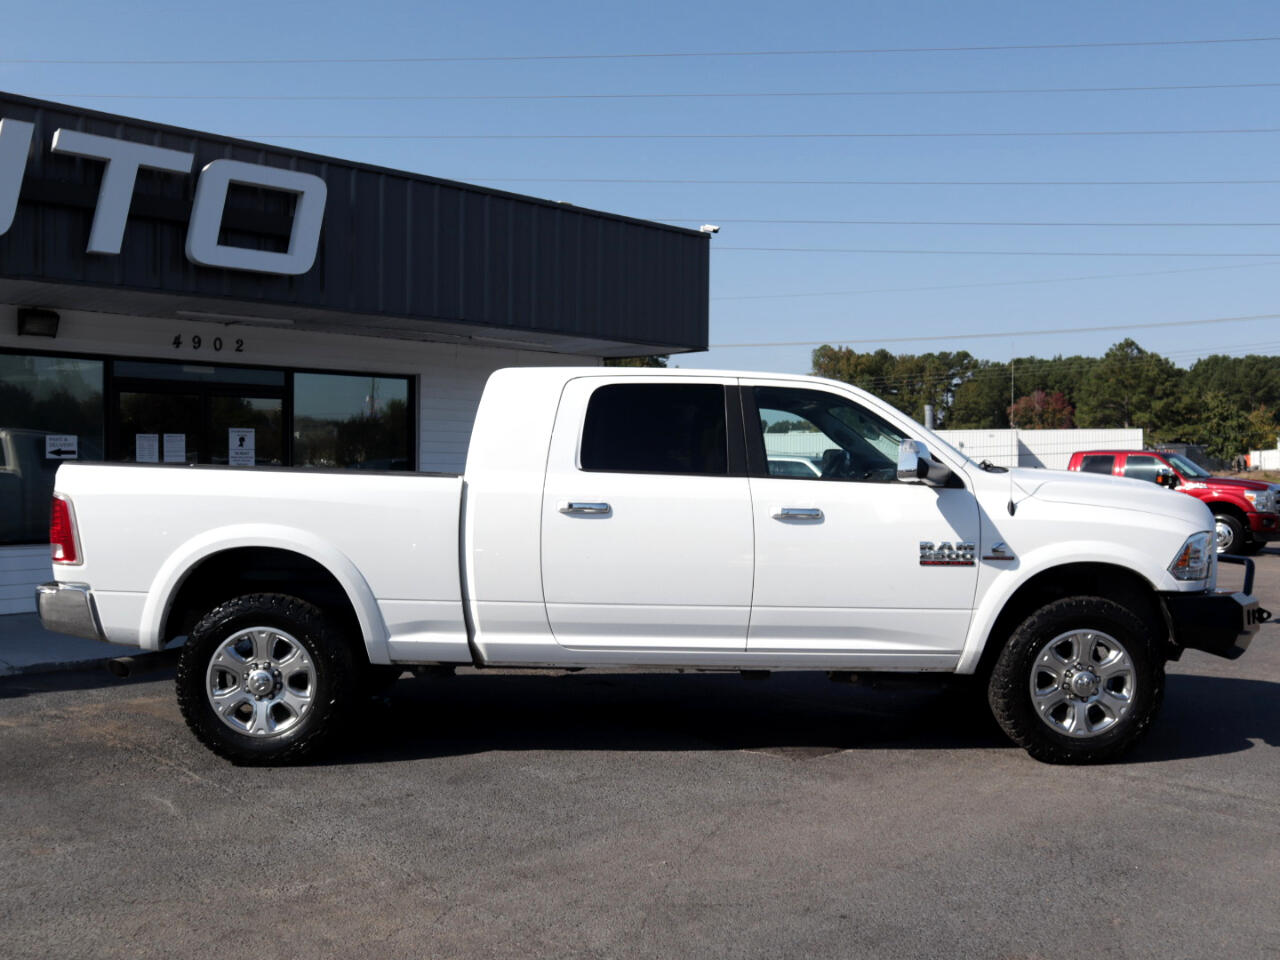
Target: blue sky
1030 278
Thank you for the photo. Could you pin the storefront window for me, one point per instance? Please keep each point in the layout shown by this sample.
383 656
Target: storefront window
351 421
50 411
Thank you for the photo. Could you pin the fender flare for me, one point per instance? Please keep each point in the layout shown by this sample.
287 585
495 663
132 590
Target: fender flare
1011 579
187 556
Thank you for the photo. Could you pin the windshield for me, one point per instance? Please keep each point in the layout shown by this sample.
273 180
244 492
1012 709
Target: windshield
1186 467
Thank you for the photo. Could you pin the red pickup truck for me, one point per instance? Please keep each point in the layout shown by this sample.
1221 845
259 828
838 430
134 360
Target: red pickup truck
1244 511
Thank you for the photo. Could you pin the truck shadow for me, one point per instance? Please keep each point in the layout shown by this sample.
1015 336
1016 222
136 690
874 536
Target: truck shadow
793 715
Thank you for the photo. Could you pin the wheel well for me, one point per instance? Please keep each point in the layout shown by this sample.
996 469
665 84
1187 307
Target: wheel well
1074 580
233 573
1232 510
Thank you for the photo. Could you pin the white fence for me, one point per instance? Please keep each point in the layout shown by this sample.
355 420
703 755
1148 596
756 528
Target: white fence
1264 459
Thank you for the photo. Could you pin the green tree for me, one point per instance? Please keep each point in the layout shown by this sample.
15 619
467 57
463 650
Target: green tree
1246 381
1264 431
655 361
908 381
1224 428
1131 387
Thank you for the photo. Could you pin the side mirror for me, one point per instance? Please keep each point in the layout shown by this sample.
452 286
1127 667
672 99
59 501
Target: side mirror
915 465
1167 478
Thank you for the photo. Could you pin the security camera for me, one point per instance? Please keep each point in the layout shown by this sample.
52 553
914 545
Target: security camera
709 228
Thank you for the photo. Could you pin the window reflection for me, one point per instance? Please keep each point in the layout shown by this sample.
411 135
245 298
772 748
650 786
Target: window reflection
39 397
351 421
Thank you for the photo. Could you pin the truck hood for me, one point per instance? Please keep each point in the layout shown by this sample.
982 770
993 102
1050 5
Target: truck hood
1236 482
1089 489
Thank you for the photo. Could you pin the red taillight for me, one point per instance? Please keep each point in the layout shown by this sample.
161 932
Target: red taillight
62 533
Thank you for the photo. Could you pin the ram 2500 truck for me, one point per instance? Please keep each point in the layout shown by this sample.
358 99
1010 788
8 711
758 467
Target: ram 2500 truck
614 517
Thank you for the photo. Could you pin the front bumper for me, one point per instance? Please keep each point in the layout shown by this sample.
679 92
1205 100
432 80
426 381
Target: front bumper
1264 526
69 608
1219 623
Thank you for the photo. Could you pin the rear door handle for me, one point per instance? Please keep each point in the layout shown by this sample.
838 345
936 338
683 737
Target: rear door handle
797 513
585 508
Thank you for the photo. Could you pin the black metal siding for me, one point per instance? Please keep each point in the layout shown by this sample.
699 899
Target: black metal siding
393 244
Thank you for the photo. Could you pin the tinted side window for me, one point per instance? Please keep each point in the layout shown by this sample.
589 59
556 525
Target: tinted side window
656 428
1143 468
1097 464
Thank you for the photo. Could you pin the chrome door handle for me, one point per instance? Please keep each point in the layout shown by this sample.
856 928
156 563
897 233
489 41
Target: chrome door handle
797 513
584 508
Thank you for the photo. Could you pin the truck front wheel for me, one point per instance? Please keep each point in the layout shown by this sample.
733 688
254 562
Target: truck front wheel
264 678
1228 531
1079 681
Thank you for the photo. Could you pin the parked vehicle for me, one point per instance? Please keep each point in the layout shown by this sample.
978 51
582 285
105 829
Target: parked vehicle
612 517
1244 511
793 467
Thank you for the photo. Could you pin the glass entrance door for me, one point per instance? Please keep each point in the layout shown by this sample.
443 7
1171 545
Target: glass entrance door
182 413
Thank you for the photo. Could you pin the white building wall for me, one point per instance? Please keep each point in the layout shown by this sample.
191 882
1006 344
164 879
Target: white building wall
447 378
1051 449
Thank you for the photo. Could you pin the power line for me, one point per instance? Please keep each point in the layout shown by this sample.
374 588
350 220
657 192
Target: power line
973 223
880 183
652 55
997 335
996 283
987 253
875 135
677 95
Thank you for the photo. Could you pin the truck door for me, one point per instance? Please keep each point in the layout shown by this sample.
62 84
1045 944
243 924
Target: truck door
646 516
839 558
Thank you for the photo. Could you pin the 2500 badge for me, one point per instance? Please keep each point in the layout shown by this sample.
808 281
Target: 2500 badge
959 554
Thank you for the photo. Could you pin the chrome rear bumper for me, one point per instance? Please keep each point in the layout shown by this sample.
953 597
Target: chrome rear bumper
69 608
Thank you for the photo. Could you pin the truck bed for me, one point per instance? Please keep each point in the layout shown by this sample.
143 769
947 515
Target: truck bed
390 538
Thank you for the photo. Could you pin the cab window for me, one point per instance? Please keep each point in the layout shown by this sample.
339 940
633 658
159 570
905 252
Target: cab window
656 428
841 439
1144 468
1096 463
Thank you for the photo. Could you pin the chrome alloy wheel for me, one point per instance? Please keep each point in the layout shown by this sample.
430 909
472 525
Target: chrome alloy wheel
1223 535
1082 683
260 682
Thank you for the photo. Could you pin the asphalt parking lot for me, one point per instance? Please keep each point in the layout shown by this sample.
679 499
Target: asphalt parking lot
615 815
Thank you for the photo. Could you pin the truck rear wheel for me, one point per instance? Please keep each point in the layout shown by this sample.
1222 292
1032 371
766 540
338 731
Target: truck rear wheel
264 678
1079 681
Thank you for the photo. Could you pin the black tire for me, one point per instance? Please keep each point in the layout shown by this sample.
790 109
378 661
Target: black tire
1229 533
1047 697
232 653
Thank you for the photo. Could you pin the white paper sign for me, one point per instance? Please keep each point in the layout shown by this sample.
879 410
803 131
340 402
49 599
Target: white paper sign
146 447
175 448
61 446
240 447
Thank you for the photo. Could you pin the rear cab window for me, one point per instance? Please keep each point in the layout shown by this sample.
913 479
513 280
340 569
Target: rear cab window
665 428
1097 463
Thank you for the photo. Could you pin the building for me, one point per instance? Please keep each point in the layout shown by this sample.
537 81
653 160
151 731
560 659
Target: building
175 297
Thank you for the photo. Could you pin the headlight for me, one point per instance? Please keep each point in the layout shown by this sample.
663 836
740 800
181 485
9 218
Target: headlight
1194 557
1262 500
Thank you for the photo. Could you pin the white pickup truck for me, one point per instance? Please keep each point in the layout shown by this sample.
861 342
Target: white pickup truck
631 517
